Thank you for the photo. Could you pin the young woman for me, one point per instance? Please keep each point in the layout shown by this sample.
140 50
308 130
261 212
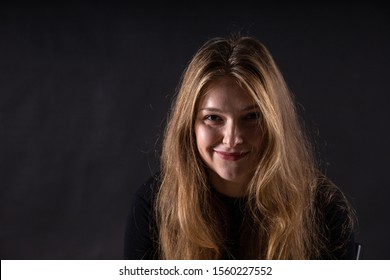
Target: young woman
238 179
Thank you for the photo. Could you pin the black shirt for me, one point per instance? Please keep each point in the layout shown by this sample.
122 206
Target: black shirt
141 238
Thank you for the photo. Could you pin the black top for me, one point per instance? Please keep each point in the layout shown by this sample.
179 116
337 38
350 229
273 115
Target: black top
141 239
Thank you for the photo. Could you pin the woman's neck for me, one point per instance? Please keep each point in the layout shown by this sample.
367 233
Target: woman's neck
228 188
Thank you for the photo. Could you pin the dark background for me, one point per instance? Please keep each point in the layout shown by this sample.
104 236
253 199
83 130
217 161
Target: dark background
85 89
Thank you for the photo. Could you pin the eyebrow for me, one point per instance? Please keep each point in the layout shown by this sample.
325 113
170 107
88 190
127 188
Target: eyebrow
213 109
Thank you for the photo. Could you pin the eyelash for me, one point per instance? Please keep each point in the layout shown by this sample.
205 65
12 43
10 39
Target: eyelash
254 116
213 118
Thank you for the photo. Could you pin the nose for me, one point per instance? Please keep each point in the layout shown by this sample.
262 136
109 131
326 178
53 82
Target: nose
232 134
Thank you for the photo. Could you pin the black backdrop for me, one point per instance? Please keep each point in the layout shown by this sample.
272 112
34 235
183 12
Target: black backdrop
84 92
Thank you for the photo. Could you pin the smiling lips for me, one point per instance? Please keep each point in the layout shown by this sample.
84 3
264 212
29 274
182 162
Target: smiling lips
231 156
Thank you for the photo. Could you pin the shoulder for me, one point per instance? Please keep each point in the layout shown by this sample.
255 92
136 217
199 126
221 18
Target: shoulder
144 196
336 220
141 236
331 201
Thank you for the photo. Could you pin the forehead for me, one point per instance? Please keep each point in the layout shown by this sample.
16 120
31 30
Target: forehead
226 92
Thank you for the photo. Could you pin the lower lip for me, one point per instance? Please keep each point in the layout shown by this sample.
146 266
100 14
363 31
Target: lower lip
231 157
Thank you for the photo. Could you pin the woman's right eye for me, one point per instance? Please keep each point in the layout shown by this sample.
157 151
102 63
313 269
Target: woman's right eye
213 118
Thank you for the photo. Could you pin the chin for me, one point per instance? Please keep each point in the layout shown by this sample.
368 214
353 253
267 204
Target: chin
232 177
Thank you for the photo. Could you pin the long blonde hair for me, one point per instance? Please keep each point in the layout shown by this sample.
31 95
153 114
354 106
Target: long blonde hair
280 213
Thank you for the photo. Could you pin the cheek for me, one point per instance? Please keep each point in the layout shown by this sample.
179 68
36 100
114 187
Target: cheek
253 137
205 137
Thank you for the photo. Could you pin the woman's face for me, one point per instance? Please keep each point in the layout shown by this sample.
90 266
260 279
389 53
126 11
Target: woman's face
228 135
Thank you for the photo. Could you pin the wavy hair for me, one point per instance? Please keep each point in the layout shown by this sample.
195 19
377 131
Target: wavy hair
280 214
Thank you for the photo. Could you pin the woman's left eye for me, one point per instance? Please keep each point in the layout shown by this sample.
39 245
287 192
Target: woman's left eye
253 116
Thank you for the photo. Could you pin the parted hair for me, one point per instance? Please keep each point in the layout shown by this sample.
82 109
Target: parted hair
281 220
